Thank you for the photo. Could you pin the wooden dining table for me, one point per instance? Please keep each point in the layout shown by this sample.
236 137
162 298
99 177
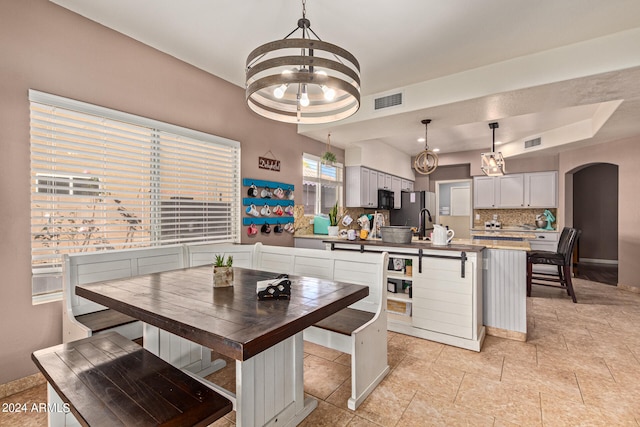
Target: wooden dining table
263 336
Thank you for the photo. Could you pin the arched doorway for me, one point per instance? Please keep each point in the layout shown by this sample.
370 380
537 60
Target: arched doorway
595 212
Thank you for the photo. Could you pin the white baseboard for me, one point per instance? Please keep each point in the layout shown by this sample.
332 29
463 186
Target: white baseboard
598 261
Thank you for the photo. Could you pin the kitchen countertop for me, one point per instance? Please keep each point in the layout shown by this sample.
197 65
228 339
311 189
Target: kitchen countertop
467 245
417 244
530 235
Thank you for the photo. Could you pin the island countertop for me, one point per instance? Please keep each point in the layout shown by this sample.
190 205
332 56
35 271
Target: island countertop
458 245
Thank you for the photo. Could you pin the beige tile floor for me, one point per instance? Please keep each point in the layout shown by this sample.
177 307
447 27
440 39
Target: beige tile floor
580 367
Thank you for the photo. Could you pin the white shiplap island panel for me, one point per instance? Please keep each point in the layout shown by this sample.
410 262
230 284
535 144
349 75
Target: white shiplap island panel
505 292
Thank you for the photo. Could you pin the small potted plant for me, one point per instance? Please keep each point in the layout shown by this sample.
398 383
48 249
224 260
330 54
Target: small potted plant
222 271
408 267
333 221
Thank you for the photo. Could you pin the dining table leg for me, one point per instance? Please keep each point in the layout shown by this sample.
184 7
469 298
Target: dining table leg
180 352
270 386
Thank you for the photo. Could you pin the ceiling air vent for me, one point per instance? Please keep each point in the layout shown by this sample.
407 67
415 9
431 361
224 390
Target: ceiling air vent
532 143
388 101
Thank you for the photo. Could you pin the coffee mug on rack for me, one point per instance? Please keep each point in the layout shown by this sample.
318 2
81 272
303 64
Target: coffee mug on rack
278 229
252 210
278 210
278 192
252 191
266 228
252 230
265 211
266 194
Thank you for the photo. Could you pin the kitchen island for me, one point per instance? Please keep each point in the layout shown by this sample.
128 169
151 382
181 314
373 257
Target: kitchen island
492 300
445 299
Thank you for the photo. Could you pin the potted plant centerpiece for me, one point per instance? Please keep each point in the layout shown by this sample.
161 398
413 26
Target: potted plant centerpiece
222 271
333 221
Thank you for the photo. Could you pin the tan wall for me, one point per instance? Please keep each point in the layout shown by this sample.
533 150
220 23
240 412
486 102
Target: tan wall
625 154
48 48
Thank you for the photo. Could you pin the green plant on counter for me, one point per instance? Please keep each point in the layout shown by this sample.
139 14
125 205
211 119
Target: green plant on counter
333 215
220 262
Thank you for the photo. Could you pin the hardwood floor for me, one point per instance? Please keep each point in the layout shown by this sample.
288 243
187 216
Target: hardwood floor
601 273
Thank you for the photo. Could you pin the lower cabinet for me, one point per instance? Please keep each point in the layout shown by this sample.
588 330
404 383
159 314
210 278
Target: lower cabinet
445 299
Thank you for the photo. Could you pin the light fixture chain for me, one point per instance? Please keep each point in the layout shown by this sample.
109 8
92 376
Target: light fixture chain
304 9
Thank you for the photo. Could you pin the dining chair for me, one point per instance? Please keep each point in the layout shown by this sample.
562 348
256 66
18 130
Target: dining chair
562 258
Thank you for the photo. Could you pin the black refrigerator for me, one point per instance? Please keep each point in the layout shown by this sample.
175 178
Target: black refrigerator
412 202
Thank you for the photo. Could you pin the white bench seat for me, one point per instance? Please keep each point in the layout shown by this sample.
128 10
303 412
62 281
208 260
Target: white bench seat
359 330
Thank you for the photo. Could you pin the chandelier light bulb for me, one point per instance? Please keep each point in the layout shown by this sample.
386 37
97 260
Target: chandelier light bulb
280 90
329 93
304 97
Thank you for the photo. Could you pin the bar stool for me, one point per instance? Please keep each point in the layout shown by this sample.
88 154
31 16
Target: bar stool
562 258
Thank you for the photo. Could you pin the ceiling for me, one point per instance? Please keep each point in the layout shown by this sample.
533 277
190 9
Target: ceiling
565 71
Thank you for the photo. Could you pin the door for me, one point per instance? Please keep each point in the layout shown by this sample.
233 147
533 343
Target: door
453 202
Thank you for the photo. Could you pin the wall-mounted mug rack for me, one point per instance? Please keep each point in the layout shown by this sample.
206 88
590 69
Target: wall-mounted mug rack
248 182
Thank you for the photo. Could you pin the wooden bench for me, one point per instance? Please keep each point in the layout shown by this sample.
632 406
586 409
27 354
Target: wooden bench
108 380
359 330
81 318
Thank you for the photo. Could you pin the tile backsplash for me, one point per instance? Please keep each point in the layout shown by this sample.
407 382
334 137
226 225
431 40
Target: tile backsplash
303 224
510 217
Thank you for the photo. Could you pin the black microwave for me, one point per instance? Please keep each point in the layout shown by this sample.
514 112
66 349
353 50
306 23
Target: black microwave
385 199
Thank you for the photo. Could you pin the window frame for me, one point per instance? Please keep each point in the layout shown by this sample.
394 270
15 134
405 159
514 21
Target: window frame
43 179
320 181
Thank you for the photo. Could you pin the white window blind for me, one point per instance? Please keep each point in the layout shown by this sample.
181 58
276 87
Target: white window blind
106 180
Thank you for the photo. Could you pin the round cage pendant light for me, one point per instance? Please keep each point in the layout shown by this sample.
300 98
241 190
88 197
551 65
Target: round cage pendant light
426 161
302 80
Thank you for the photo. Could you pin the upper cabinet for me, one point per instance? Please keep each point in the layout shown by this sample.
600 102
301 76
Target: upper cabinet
396 187
541 189
524 190
510 191
384 181
406 185
362 186
484 192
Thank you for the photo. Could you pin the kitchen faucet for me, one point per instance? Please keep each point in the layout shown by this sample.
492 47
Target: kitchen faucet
421 228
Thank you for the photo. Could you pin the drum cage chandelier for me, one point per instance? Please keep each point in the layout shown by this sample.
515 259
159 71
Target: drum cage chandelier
302 80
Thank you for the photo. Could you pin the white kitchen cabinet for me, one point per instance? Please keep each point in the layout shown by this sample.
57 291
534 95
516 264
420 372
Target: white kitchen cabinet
407 185
510 191
384 181
445 303
541 189
357 186
484 192
373 188
362 186
396 187
520 190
